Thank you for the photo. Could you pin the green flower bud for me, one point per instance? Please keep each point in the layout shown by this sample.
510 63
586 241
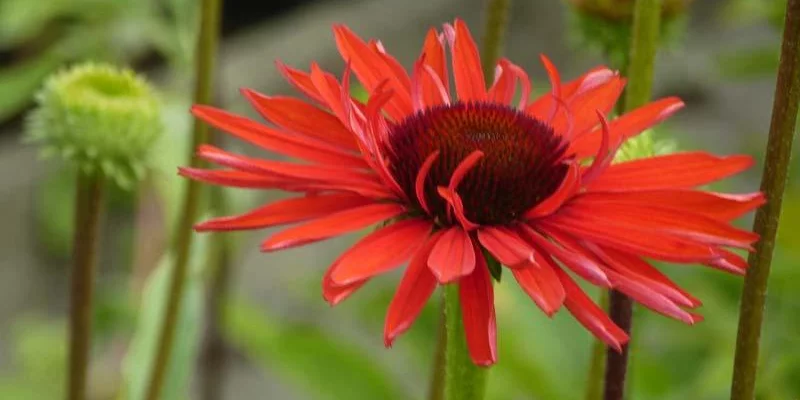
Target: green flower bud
644 145
622 10
101 118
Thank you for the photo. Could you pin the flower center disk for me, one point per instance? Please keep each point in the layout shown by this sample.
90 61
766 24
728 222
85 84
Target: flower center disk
521 164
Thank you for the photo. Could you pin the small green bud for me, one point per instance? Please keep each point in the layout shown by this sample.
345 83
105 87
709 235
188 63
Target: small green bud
644 145
622 10
101 118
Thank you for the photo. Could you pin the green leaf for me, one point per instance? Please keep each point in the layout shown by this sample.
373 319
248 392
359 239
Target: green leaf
138 362
325 366
21 81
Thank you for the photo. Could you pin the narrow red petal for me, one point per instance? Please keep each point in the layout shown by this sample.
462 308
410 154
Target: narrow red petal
435 58
582 265
422 174
584 107
333 293
286 212
628 125
477 311
672 171
505 245
330 91
381 251
301 81
542 286
235 178
277 141
729 262
470 84
452 256
589 314
569 186
332 225
544 105
415 289
300 117
649 298
502 90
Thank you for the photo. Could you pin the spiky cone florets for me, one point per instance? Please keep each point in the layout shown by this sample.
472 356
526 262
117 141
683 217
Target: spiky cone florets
101 118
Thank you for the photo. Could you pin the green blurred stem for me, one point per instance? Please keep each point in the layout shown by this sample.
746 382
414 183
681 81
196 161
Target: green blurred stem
88 209
205 65
494 36
773 183
594 385
644 43
463 380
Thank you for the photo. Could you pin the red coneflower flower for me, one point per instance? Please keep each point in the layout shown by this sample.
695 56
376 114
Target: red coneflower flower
459 178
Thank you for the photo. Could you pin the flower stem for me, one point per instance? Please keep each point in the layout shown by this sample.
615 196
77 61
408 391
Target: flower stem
436 390
594 385
773 182
463 380
205 63
88 207
644 43
494 36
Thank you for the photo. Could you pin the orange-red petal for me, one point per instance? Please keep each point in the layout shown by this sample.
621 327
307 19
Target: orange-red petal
477 311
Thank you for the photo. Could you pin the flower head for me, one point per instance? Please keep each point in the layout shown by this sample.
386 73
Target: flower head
456 173
99 117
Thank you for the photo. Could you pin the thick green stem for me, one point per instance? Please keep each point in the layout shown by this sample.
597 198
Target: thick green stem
88 207
594 384
436 389
494 36
644 43
463 380
205 65
773 182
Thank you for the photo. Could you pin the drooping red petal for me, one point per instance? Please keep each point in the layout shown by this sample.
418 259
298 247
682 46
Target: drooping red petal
477 311
582 265
720 206
372 69
452 255
649 217
300 117
381 251
673 171
422 174
729 261
660 246
333 293
626 126
238 179
470 84
505 245
277 141
332 225
415 289
541 285
301 81
589 314
286 211
649 297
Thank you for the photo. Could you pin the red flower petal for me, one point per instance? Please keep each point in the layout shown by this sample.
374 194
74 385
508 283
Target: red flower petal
477 311
286 211
543 107
422 174
649 298
435 58
470 84
301 81
729 262
332 225
505 245
628 125
380 251
300 117
234 178
589 314
372 69
720 206
333 293
582 265
277 141
452 256
569 186
330 91
672 171
542 285
415 289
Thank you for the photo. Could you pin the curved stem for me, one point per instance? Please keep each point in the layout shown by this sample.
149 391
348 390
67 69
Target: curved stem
644 43
494 36
773 183
88 206
205 60
463 380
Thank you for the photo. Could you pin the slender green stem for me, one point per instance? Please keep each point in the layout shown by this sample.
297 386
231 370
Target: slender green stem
463 380
205 65
436 389
773 182
494 36
88 208
594 384
644 43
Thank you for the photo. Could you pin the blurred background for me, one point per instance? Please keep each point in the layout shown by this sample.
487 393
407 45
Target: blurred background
281 340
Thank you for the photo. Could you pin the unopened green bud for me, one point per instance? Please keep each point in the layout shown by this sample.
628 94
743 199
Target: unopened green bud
99 117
